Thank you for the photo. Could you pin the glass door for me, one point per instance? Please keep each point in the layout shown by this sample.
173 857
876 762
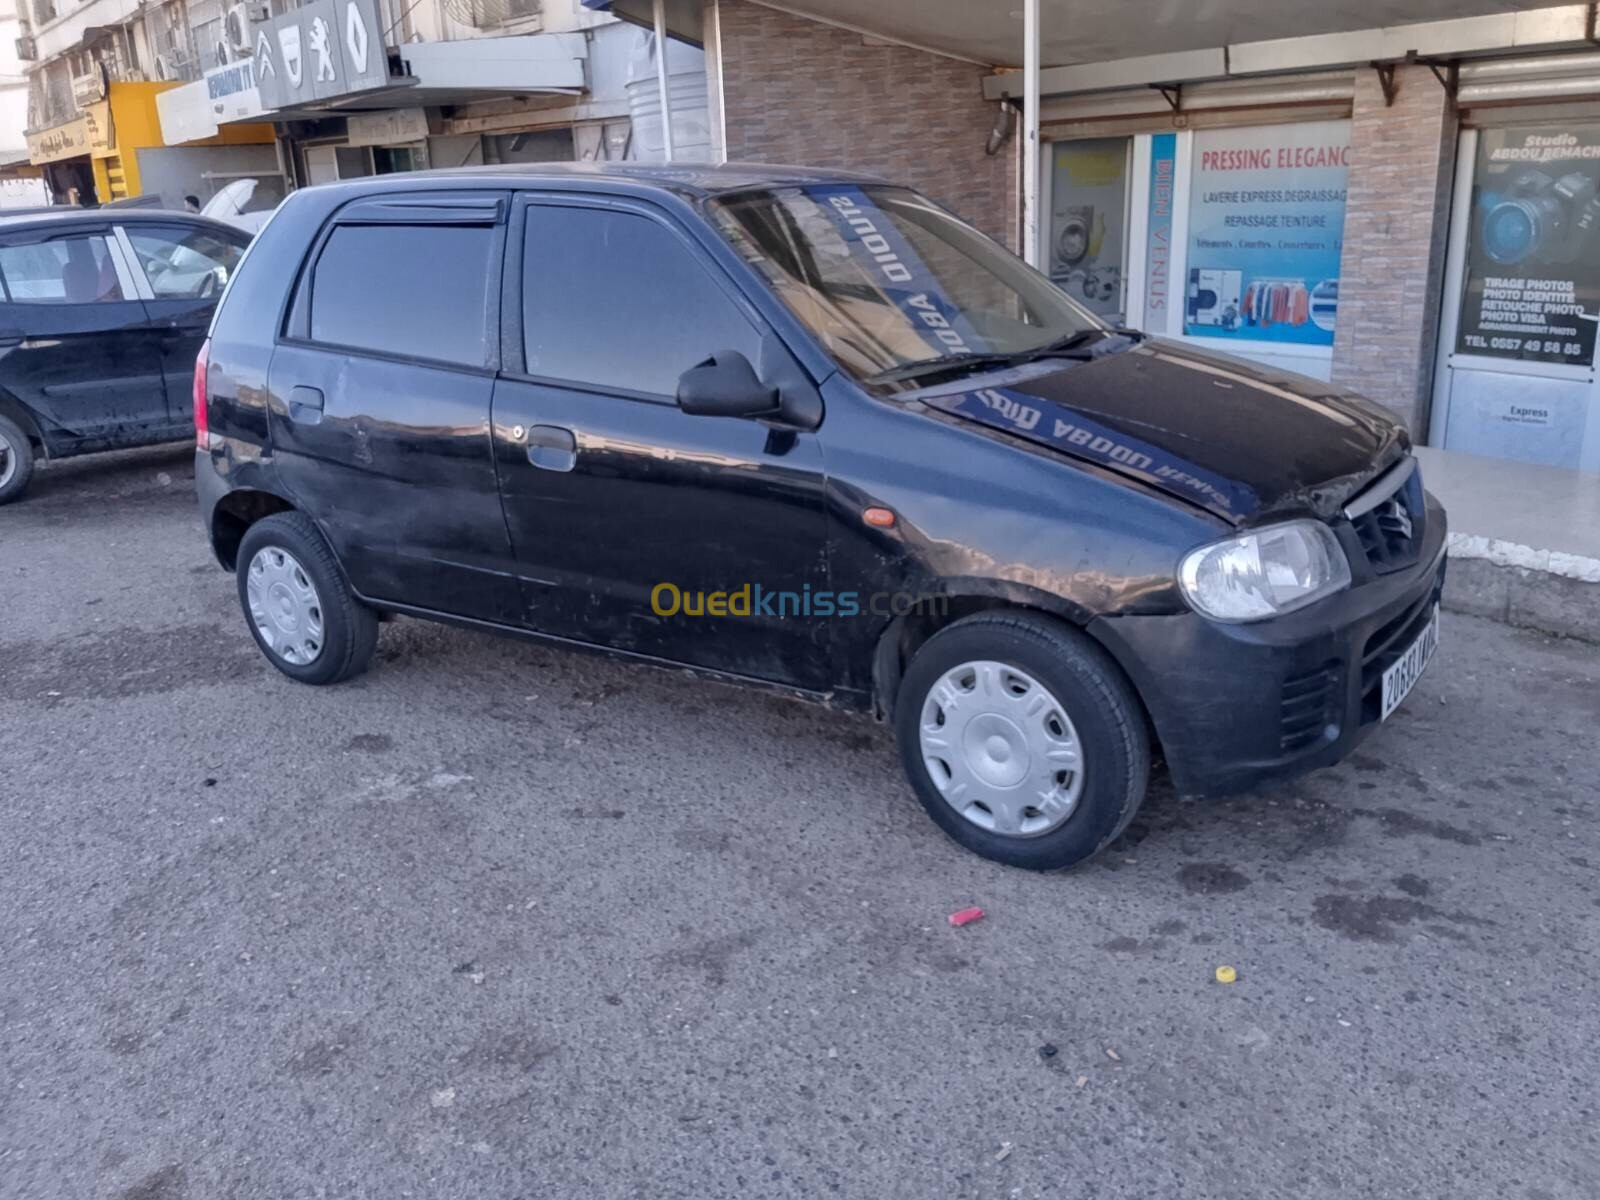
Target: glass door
1516 369
1086 245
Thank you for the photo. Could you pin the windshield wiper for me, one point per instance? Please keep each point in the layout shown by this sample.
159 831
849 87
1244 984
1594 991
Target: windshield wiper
1063 346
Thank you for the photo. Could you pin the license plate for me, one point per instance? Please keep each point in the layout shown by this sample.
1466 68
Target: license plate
1399 679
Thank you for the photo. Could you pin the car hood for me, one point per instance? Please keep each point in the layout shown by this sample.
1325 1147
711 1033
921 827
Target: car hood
1245 443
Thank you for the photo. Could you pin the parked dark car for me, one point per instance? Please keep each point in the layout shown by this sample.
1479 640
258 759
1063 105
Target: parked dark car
810 431
102 312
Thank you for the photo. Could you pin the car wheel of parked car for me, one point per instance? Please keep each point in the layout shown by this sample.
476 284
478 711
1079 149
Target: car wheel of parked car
300 610
1022 739
16 461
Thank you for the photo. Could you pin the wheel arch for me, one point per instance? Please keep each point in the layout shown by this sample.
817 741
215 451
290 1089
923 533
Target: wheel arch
20 415
233 516
903 636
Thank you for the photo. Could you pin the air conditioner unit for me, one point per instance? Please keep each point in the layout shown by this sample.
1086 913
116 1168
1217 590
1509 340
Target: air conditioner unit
88 89
258 11
236 30
26 50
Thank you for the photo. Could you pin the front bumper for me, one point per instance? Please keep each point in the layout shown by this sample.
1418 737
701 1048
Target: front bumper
1236 705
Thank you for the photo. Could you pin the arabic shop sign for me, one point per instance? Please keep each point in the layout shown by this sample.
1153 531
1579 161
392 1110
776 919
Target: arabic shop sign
89 134
320 50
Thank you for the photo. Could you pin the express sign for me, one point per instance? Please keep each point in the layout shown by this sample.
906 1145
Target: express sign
323 49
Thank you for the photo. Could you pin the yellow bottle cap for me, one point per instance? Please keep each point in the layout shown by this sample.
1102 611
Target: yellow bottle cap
1226 974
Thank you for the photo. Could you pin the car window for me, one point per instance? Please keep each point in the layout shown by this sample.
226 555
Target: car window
181 262
415 290
62 270
617 301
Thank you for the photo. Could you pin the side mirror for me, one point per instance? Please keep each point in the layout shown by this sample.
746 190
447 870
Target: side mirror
726 385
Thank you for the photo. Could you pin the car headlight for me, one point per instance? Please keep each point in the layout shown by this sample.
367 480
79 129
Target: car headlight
1265 572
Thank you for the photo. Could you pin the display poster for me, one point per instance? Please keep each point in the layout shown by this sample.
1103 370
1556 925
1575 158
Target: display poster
1266 231
1533 255
1158 242
1088 222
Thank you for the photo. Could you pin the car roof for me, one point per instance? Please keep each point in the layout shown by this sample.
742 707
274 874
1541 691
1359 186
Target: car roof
691 179
66 215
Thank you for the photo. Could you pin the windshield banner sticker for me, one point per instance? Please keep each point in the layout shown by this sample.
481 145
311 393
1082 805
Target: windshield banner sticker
904 278
1064 429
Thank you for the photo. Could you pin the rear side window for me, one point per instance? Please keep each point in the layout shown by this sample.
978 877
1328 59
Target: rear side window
617 302
419 291
183 261
63 270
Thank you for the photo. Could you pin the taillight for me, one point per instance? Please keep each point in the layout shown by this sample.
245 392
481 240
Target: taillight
202 417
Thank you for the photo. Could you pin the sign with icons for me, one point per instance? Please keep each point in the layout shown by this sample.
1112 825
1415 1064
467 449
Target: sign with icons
323 49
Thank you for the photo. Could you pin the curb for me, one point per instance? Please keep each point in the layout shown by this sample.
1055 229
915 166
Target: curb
1546 590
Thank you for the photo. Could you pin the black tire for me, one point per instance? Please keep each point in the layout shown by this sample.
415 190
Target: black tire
1093 694
18 451
349 628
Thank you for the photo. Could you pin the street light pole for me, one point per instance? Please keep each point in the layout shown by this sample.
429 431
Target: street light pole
1030 132
661 77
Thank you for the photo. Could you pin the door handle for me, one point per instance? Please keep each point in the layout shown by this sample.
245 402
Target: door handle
305 404
552 448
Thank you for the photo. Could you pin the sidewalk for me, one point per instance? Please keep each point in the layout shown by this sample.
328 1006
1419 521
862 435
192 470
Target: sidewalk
1524 541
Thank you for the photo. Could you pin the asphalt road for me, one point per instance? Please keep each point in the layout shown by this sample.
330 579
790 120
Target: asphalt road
503 921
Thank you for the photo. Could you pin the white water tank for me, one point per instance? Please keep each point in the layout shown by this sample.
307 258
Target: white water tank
691 118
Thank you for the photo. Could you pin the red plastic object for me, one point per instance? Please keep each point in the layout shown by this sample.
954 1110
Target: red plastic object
966 916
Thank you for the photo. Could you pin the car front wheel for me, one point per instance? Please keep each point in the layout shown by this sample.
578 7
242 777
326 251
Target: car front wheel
16 461
1023 740
300 611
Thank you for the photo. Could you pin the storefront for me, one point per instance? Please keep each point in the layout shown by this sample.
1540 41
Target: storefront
66 153
1516 371
215 133
1229 237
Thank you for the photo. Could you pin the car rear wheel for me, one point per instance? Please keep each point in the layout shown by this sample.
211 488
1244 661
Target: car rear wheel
1023 740
16 461
299 609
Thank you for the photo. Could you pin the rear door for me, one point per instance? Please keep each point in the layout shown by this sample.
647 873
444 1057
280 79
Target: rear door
76 346
379 397
180 270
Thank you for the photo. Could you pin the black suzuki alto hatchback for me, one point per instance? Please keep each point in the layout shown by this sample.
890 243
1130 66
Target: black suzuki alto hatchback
812 432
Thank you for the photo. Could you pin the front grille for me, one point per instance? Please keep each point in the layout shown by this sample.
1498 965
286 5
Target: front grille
1308 700
1389 518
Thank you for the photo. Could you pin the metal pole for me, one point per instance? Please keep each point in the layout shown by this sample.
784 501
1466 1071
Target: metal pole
661 77
1030 132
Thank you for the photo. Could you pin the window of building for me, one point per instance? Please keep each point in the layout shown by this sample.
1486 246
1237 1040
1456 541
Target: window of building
616 301
64 270
181 262
412 290
1266 232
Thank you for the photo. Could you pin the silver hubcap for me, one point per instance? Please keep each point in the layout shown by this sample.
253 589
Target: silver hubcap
8 461
285 606
1001 749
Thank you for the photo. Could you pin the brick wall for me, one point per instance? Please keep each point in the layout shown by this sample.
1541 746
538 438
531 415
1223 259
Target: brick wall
797 91
1402 162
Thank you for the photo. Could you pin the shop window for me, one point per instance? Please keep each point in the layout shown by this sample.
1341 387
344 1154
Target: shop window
1088 222
1533 250
1266 232
592 309
182 262
416 291
65 270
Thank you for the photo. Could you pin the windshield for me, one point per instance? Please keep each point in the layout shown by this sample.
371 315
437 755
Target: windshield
888 281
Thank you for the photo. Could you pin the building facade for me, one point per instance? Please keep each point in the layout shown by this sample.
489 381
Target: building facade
1408 210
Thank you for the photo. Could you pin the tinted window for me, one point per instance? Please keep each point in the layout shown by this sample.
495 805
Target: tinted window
184 261
617 301
413 290
63 270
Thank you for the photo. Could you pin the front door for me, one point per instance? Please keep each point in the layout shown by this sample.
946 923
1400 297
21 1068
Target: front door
379 401
76 346
637 526
185 267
